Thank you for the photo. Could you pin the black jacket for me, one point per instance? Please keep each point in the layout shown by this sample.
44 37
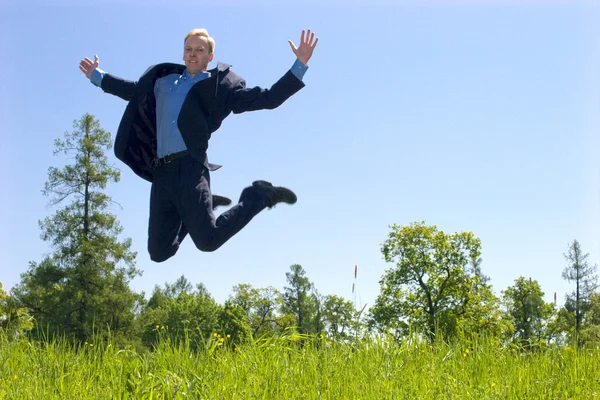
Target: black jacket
205 107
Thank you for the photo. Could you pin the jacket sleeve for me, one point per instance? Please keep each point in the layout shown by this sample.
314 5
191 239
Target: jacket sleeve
242 99
118 86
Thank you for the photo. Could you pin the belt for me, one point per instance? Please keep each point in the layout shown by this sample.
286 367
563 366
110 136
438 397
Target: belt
157 162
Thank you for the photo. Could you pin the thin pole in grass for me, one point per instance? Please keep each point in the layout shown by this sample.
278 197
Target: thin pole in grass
359 313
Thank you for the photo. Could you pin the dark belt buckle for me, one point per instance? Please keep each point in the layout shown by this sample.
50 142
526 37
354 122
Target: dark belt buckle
155 163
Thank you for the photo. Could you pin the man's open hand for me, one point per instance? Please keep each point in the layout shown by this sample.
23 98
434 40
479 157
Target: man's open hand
87 66
306 48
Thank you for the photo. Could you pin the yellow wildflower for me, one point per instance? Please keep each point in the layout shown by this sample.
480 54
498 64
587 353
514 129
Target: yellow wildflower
493 384
228 336
15 378
157 326
215 334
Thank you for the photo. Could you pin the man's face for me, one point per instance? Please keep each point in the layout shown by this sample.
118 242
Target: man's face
195 54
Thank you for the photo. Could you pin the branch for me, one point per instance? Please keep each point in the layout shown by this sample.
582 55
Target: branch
59 200
117 203
443 285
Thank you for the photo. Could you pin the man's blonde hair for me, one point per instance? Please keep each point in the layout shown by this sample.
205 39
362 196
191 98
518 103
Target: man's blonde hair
204 33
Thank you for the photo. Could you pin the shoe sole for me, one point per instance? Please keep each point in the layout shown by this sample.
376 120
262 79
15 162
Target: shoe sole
269 184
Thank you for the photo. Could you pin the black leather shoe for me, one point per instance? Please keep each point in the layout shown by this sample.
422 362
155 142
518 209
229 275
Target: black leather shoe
218 201
275 194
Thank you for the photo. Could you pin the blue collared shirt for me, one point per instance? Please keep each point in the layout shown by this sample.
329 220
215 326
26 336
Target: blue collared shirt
170 92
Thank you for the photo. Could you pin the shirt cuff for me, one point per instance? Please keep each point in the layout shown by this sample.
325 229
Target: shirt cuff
96 77
299 69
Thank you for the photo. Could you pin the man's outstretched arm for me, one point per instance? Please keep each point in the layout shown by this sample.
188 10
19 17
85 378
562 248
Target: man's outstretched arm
109 83
244 99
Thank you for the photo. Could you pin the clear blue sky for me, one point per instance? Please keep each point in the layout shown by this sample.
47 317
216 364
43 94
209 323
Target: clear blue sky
471 117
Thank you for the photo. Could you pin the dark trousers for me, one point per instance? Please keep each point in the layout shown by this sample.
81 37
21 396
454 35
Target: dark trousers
181 203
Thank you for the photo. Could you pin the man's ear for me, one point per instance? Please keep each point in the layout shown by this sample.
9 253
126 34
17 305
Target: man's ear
210 58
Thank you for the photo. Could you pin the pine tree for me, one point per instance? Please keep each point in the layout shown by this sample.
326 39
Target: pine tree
81 288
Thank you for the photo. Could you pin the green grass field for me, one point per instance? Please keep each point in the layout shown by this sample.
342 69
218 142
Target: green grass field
280 369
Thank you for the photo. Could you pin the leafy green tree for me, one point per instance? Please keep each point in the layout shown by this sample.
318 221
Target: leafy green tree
584 276
482 313
593 316
590 334
247 297
233 323
262 309
13 318
180 312
81 289
297 299
525 305
561 325
429 286
339 316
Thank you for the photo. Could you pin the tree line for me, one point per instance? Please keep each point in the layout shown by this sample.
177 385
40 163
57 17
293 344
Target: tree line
434 287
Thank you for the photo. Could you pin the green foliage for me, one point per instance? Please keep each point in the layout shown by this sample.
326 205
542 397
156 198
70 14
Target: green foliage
340 317
233 323
525 305
14 320
482 314
430 289
590 332
262 308
181 313
578 302
297 299
81 289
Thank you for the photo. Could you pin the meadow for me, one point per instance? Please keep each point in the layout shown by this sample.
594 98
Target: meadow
281 368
